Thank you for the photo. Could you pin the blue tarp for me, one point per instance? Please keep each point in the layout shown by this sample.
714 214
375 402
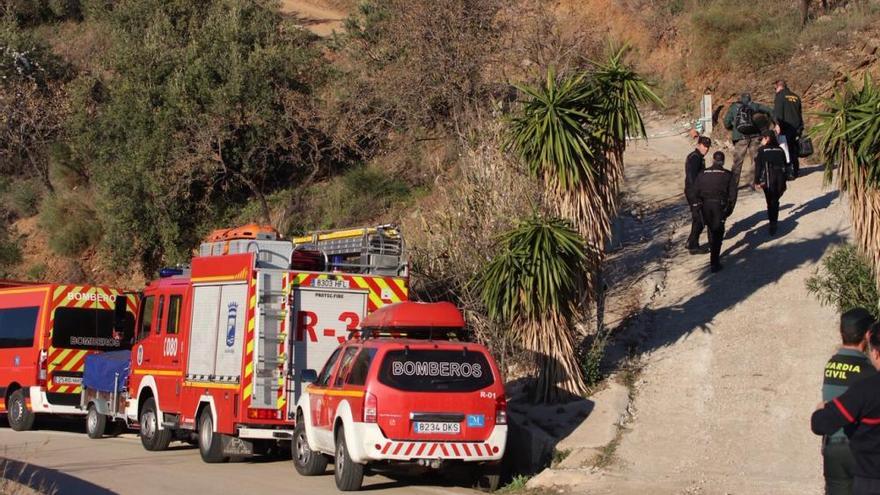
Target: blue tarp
101 369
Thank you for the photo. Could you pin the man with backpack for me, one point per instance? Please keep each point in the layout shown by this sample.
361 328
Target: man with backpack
745 122
790 119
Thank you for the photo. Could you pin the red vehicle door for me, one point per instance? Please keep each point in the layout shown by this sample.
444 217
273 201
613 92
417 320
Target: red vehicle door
169 371
318 396
336 392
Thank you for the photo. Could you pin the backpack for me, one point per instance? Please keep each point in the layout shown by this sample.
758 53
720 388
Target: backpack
744 120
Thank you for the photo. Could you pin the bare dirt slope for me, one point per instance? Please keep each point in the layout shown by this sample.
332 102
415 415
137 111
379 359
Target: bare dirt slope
733 361
318 16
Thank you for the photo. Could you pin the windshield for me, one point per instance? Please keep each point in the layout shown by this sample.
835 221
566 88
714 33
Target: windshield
86 328
436 371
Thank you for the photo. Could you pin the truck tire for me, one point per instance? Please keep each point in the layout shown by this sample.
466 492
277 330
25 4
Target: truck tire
96 423
152 438
306 461
210 445
488 481
349 475
20 417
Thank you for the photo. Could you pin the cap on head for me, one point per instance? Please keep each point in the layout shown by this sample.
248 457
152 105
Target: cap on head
718 157
768 133
745 98
854 324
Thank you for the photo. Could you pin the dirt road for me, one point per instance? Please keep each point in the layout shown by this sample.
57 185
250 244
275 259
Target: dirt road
317 16
75 465
733 361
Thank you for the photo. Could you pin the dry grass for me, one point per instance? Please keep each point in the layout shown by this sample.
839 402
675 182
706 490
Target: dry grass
14 480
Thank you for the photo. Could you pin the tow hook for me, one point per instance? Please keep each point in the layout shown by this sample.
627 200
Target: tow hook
431 463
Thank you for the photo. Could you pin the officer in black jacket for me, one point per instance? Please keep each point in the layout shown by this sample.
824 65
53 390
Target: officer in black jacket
714 189
693 167
770 175
789 116
857 411
848 366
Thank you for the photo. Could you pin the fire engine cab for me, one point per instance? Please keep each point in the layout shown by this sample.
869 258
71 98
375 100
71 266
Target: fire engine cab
46 332
406 389
221 347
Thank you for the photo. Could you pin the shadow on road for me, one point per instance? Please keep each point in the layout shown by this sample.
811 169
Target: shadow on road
46 480
745 272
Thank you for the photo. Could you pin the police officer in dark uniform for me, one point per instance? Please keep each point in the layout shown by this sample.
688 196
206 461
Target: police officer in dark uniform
848 366
789 116
857 411
694 166
714 189
770 175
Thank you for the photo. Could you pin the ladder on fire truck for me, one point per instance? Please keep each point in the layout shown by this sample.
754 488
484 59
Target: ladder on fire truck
368 250
376 250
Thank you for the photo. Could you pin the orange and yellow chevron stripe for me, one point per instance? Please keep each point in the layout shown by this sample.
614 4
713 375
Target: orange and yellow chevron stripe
249 340
73 360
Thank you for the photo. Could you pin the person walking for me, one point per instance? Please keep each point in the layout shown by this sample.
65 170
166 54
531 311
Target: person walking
770 175
789 118
857 411
848 366
693 167
713 191
745 130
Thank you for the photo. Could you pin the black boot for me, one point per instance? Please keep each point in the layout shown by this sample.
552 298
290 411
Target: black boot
717 267
772 229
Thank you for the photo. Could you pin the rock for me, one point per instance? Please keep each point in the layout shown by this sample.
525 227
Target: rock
550 478
600 427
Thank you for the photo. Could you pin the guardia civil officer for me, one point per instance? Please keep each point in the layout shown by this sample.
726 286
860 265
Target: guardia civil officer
790 118
848 366
694 166
713 189
770 174
857 411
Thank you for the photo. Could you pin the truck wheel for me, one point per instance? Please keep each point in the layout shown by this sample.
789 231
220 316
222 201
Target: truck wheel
487 478
306 461
488 482
349 474
20 417
96 422
210 445
152 438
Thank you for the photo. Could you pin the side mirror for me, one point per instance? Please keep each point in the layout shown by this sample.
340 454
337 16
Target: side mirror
309 376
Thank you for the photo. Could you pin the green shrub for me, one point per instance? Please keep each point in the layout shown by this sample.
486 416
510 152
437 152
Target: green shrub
727 36
71 226
845 281
37 272
361 195
10 253
23 198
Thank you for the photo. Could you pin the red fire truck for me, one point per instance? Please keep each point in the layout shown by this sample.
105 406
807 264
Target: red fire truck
220 347
46 332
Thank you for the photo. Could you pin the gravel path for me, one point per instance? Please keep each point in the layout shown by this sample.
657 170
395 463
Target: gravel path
733 361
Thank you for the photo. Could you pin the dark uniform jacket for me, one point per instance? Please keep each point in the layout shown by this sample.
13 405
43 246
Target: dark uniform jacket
842 371
787 112
770 165
714 185
857 411
693 166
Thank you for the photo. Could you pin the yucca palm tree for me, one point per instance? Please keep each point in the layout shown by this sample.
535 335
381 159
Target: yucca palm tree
533 285
848 136
571 132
